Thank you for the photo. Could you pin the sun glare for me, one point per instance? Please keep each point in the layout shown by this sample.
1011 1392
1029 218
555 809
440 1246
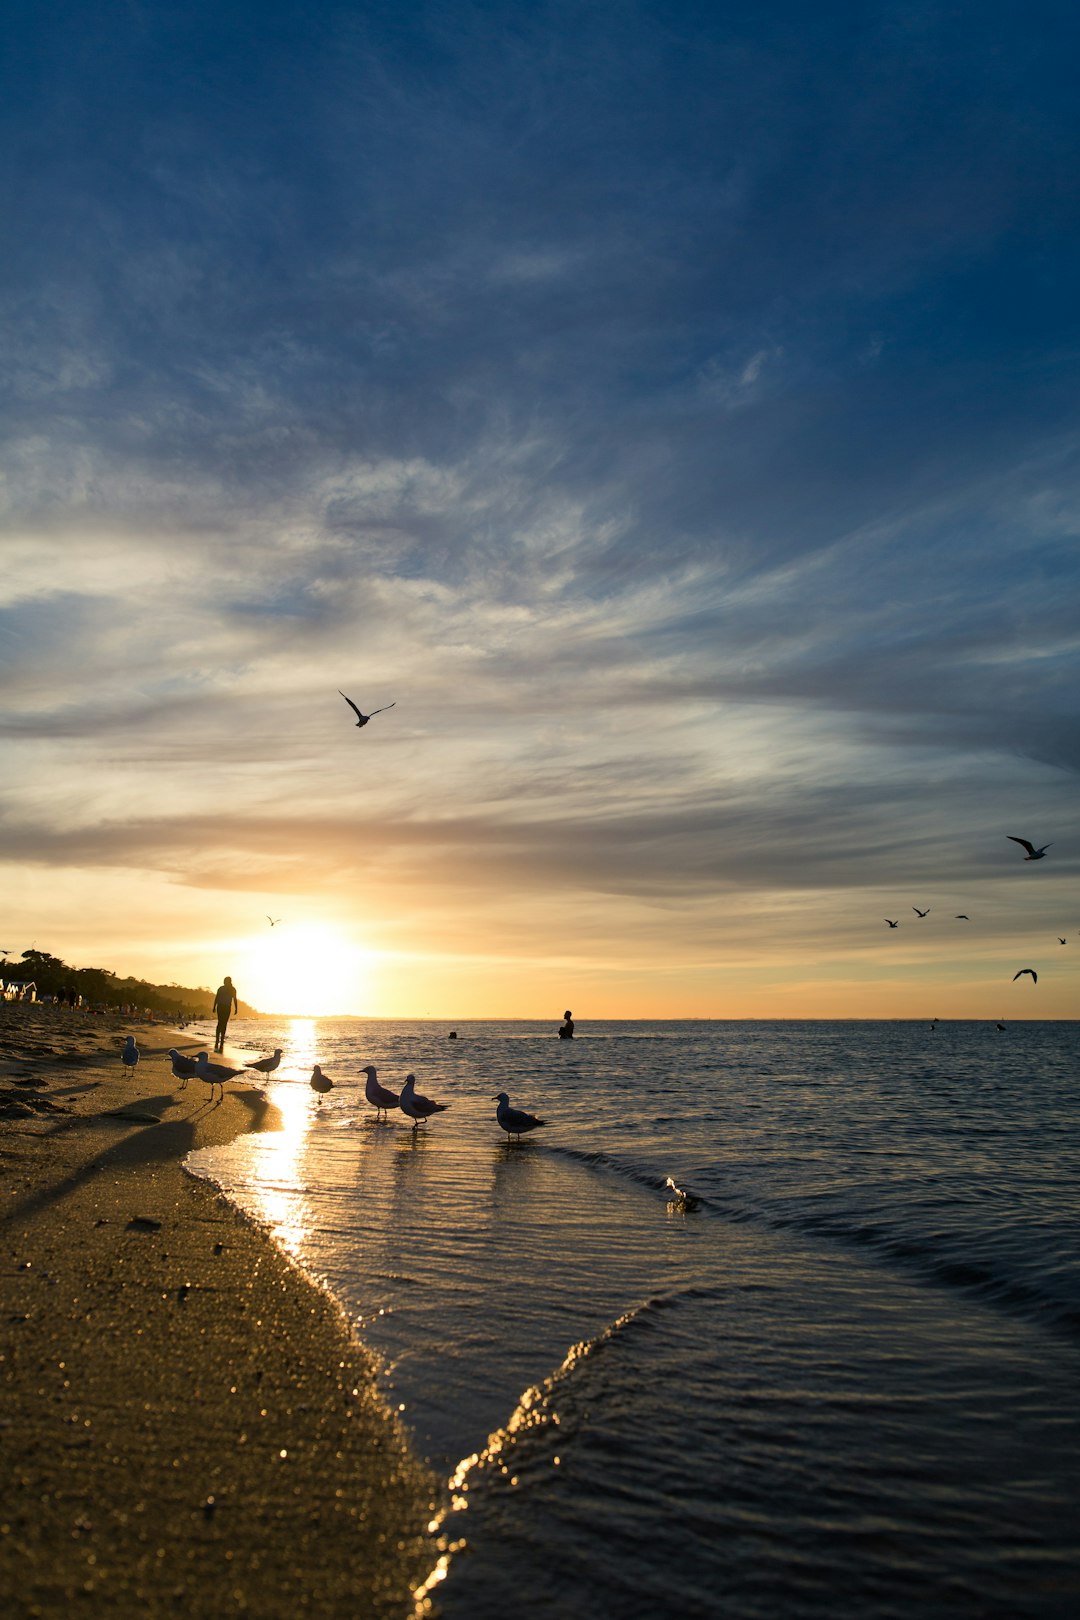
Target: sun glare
310 971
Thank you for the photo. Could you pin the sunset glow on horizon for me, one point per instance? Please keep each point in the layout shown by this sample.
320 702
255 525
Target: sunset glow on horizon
695 472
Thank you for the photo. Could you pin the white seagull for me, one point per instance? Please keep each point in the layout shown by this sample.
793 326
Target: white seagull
130 1055
361 718
320 1082
266 1065
215 1074
514 1121
1033 854
1034 975
381 1099
183 1067
417 1108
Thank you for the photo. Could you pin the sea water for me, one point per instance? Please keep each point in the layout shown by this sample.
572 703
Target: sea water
768 1318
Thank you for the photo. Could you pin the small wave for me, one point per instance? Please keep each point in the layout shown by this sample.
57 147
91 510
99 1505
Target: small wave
935 1257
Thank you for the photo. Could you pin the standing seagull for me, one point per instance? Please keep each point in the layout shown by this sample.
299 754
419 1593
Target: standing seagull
919 913
514 1120
130 1055
266 1065
382 1099
362 719
215 1074
1033 854
417 1108
182 1067
320 1082
1034 975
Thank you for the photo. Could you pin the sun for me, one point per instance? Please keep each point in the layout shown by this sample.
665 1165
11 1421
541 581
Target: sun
309 970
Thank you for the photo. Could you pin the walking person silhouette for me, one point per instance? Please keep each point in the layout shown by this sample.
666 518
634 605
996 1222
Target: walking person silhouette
224 1003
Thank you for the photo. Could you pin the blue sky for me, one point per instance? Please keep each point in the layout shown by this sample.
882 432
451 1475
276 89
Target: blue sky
672 408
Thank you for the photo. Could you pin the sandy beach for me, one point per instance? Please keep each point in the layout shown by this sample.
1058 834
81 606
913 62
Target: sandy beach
188 1423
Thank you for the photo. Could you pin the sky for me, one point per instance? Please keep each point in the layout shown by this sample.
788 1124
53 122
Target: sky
671 409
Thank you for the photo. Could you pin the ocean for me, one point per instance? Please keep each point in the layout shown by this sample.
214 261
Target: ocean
769 1319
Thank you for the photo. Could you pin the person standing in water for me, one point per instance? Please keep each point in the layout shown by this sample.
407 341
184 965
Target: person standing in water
566 1031
224 1004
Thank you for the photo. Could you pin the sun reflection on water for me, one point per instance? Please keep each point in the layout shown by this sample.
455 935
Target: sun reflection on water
282 1188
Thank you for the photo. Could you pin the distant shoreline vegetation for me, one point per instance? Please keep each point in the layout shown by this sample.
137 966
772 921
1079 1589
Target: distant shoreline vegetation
101 989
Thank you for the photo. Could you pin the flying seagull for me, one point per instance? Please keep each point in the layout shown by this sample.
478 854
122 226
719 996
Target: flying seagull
266 1065
362 719
1033 854
1060 940
919 913
892 924
514 1120
962 916
1034 975
382 1099
417 1108
273 921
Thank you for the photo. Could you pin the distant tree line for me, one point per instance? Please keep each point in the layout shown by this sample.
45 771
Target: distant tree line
102 988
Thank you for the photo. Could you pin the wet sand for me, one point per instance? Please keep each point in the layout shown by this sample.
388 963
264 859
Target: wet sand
187 1424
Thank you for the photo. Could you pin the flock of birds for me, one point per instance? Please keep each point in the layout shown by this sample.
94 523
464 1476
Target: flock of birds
1033 854
514 1121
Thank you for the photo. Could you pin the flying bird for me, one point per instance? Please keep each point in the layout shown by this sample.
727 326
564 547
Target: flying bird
266 1065
962 916
416 1107
273 921
891 923
361 718
1033 854
130 1055
514 1120
919 913
382 1099
1060 940
320 1082
1034 975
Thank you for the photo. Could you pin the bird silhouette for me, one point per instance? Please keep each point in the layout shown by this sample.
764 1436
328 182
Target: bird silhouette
382 1098
320 1082
266 1065
919 913
891 923
1060 940
361 718
514 1120
273 921
416 1107
1033 854
962 916
1034 975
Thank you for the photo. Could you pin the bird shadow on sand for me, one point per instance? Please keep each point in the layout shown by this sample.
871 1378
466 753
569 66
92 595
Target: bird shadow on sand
151 1144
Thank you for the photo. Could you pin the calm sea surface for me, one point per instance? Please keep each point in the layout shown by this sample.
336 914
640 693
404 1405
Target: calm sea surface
841 1376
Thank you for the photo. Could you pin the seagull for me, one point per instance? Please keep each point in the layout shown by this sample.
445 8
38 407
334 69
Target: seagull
266 1065
1033 854
1001 1026
962 916
362 719
130 1055
891 923
514 1120
1034 975
273 921
215 1074
925 913
320 1082
1060 940
417 1108
182 1067
382 1099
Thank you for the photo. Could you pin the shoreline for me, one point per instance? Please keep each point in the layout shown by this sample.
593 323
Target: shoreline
189 1421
